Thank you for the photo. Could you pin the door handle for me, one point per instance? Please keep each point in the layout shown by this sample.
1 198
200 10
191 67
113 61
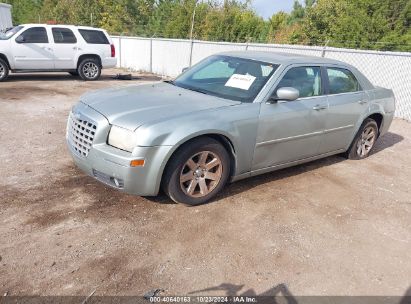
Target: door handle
319 107
363 101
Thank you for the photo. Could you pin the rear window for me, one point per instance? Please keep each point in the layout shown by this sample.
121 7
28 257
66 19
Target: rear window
63 35
94 37
342 81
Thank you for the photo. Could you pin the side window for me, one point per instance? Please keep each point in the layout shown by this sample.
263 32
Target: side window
342 81
33 35
307 80
63 35
94 37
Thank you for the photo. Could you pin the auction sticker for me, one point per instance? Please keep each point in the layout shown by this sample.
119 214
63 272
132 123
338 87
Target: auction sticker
238 81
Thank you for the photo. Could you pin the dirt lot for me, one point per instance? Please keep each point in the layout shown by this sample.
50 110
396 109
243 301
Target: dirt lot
331 227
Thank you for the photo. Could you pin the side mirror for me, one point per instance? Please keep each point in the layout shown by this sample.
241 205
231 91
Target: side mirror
20 39
285 94
184 69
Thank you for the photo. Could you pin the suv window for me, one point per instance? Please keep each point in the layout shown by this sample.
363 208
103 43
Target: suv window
63 35
33 35
342 81
307 80
94 37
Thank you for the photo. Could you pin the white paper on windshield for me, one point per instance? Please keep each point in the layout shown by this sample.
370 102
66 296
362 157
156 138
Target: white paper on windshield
238 81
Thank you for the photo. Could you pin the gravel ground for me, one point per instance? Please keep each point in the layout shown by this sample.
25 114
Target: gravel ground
330 227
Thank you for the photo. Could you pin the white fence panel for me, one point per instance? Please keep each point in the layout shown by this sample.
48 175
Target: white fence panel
169 56
293 49
135 54
203 49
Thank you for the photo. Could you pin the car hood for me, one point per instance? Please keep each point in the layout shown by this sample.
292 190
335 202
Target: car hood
133 106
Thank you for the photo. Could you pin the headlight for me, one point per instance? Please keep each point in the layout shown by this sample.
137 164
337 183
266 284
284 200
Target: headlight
122 139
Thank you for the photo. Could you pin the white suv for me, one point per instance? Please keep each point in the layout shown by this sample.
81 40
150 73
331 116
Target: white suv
79 50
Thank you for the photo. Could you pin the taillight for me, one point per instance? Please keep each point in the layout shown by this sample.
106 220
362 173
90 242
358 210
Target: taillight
113 51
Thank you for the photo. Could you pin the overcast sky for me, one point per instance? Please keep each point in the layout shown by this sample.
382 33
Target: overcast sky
266 8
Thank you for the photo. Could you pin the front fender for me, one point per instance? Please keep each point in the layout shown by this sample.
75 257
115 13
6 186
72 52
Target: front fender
237 123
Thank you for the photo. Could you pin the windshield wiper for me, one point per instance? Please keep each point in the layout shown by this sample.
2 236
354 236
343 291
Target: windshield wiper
169 81
197 90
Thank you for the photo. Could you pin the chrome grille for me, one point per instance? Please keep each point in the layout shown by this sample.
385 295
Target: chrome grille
80 134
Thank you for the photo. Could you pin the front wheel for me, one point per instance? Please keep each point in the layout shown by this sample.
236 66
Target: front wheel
89 69
364 140
197 172
4 70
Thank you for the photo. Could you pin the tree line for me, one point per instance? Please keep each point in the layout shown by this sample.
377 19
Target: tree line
364 24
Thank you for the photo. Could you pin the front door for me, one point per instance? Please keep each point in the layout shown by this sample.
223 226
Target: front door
292 130
32 51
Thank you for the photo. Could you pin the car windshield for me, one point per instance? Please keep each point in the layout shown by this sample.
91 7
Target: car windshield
9 32
227 77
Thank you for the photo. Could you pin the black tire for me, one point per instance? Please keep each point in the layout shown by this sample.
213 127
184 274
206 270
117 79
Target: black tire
358 148
75 74
89 74
193 150
4 70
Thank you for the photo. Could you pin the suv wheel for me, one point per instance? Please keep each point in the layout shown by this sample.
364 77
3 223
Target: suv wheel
364 140
89 69
4 70
197 172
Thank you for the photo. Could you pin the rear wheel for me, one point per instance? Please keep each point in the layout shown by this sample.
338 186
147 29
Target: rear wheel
89 69
364 141
197 172
4 70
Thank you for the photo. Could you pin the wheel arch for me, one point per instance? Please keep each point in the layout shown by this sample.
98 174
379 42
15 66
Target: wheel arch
223 139
378 117
85 56
4 57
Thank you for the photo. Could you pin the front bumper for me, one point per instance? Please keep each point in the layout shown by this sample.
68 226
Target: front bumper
111 166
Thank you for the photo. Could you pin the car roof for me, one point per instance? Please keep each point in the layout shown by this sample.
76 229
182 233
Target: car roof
282 58
64 25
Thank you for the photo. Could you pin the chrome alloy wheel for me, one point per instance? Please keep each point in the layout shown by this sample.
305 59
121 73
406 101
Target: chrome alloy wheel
2 70
90 70
366 141
201 174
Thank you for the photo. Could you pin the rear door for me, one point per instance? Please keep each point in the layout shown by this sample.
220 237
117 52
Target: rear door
65 48
32 50
347 101
292 130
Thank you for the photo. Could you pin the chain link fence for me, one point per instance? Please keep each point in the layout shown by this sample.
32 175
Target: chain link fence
169 56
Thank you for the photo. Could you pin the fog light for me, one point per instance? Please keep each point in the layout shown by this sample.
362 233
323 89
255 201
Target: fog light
137 163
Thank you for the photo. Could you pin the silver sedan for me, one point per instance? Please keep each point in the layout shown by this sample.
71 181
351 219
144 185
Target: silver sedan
229 117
